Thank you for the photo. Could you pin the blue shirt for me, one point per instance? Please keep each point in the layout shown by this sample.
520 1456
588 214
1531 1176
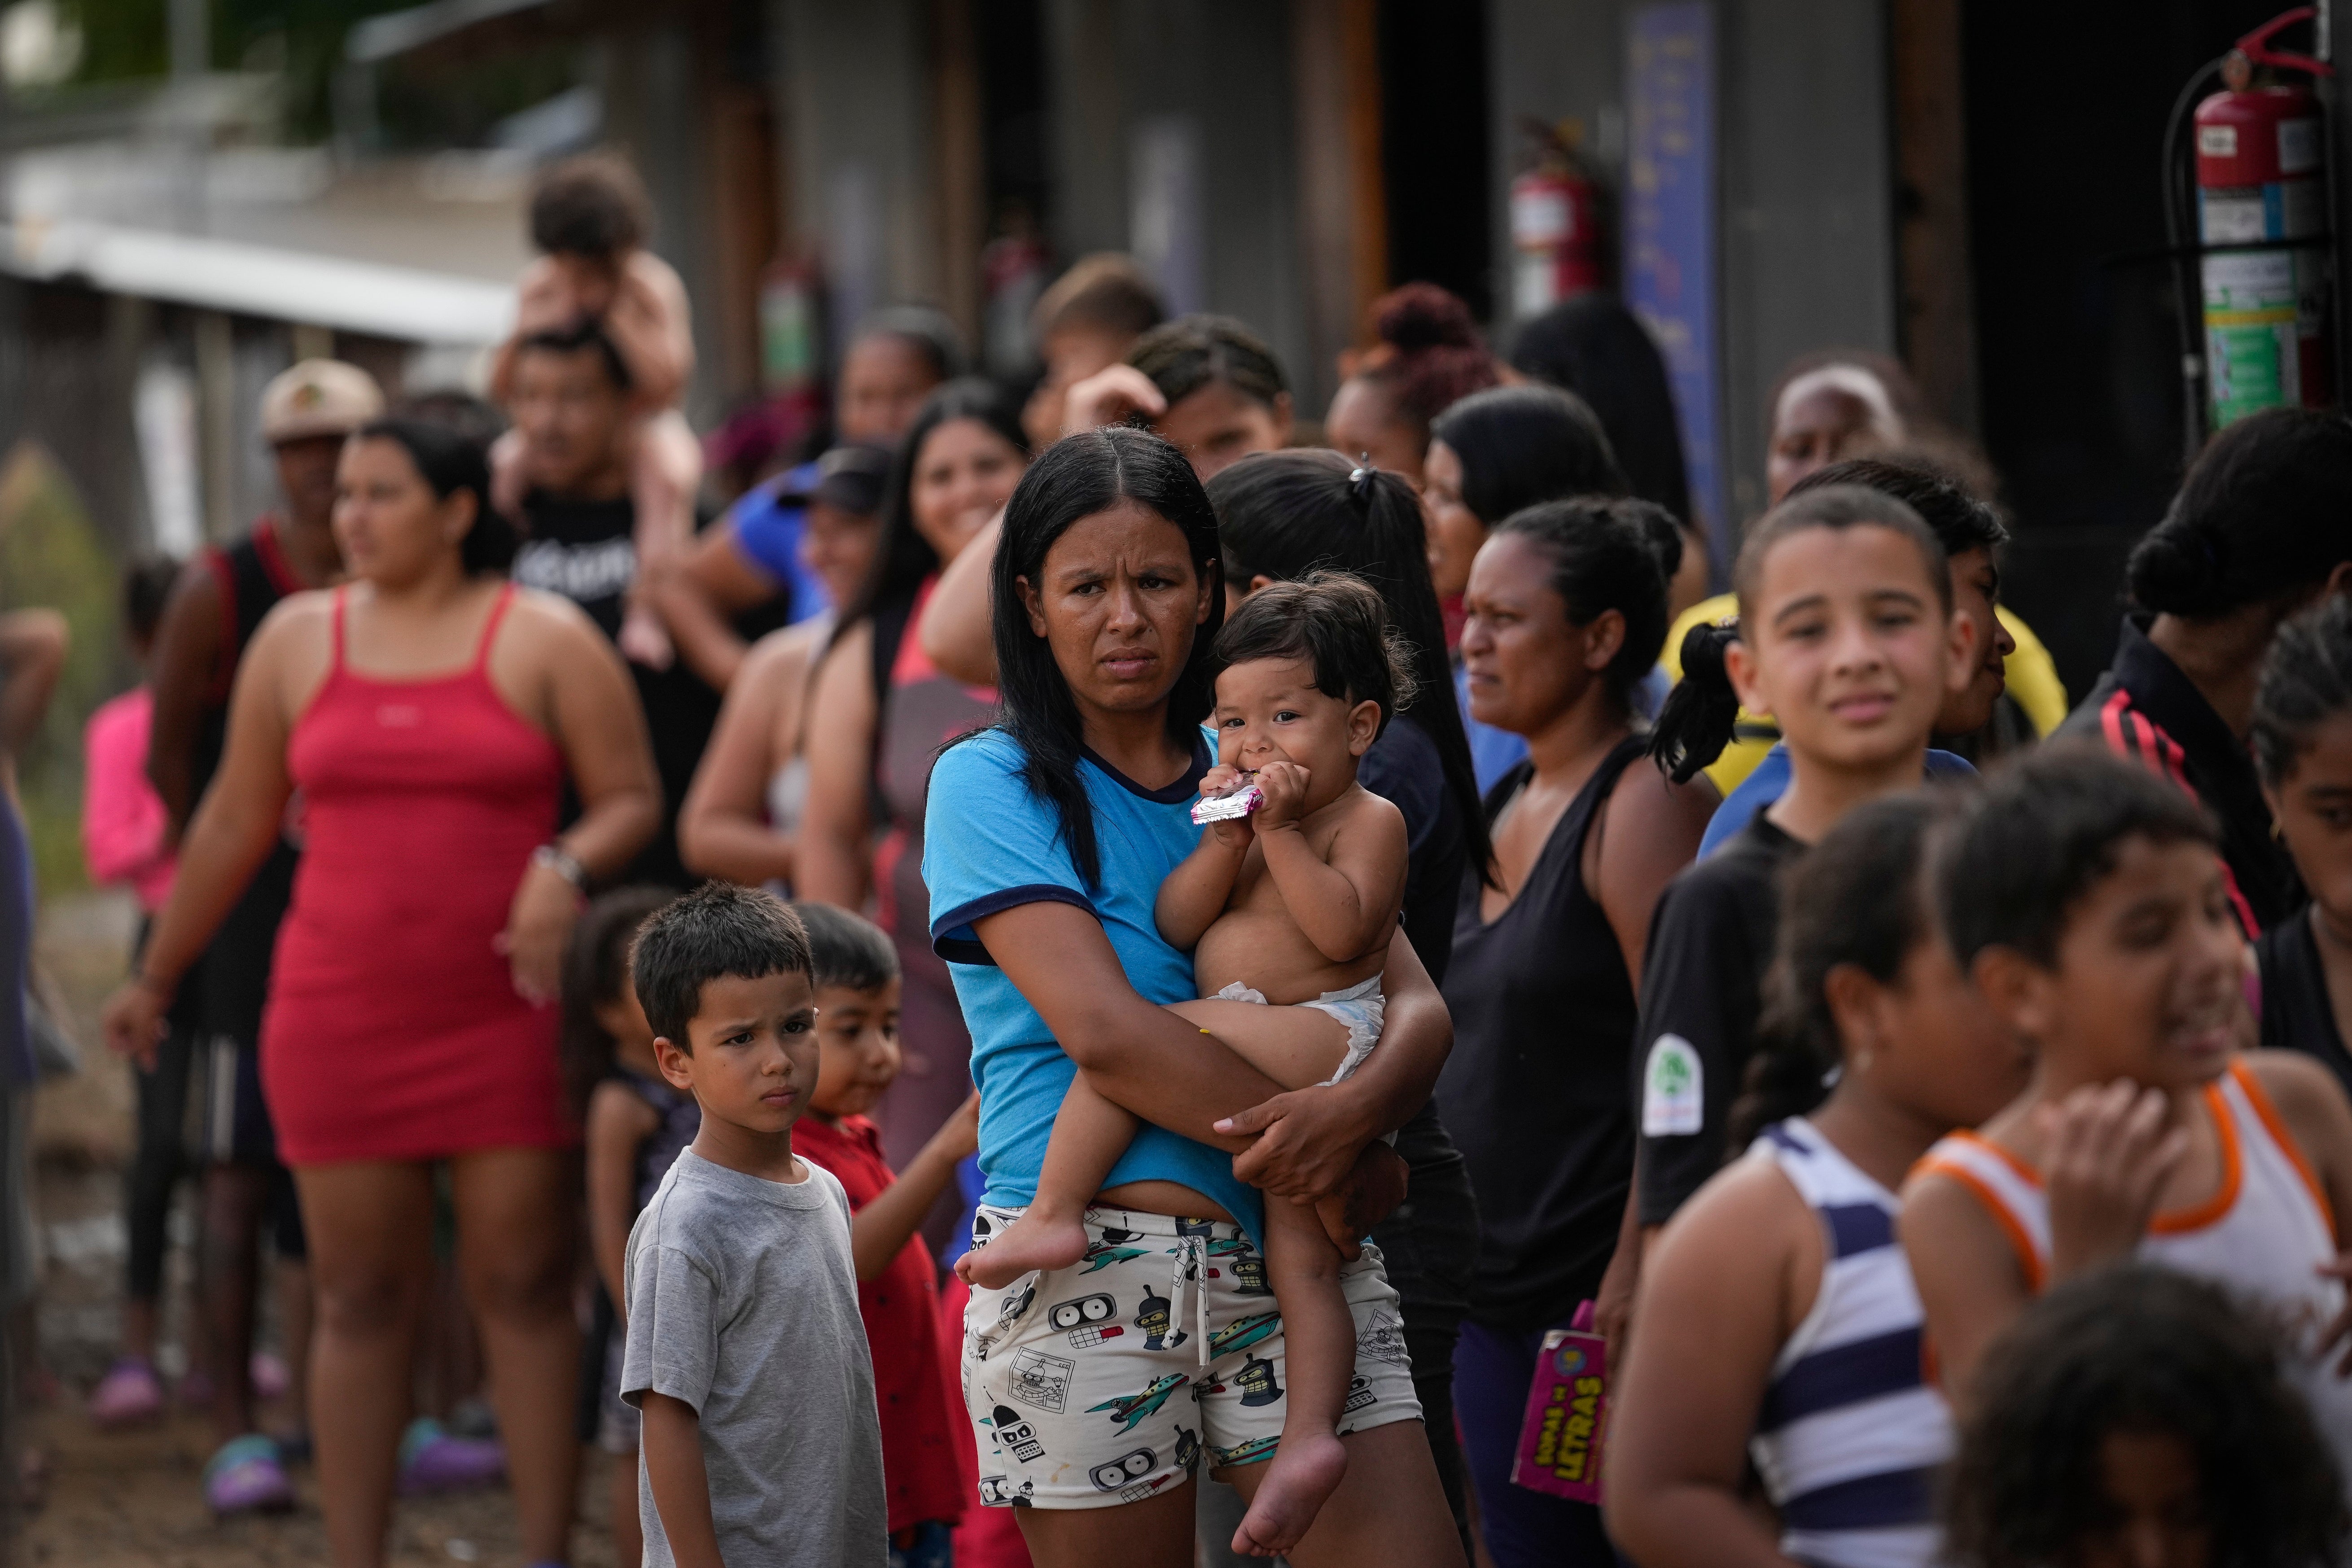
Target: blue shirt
990 845
1768 782
768 532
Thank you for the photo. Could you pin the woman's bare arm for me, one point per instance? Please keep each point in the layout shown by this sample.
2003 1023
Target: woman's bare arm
834 859
723 828
241 817
599 727
1717 1304
618 1123
33 646
955 630
1652 833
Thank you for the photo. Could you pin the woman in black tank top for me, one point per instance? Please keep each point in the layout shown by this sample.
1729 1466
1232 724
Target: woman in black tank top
1567 612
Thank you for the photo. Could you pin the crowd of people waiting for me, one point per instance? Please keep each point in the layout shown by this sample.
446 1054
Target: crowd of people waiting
1588 953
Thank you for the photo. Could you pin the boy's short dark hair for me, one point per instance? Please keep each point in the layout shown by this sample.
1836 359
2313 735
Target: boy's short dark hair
594 205
1338 624
846 950
718 932
2135 1348
583 338
2042 833
1105 292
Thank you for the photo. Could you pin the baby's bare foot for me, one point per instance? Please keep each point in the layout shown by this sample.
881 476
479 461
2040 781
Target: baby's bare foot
1299 1480
645 640
1033 1243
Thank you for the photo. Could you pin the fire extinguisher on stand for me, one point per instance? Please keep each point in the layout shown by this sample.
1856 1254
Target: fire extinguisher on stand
1554 224
2264 290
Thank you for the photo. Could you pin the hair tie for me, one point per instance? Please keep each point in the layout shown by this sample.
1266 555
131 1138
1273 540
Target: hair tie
1359 482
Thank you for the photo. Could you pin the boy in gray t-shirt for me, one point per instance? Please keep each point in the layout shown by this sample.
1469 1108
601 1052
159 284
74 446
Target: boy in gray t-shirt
761 1447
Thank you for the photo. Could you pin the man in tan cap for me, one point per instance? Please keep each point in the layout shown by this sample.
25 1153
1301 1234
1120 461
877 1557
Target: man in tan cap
214 609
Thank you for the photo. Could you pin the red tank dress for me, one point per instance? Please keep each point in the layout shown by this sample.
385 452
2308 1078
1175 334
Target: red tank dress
393 1030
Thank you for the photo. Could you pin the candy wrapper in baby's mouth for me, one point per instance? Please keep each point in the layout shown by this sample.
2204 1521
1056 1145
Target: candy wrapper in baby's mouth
1237 802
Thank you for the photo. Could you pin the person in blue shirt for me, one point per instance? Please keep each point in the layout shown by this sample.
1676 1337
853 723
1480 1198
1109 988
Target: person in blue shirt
1098 1390
1971 535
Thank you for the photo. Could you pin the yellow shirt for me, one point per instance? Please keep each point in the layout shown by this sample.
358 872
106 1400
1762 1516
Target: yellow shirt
2032 680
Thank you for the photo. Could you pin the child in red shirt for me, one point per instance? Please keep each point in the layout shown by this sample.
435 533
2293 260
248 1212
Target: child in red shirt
897 1286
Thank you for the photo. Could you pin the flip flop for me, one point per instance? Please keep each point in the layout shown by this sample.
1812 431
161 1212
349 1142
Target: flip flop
128 1393
247 1477
431 1460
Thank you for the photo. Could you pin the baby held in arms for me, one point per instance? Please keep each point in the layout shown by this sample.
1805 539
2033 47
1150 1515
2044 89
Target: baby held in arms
1288 904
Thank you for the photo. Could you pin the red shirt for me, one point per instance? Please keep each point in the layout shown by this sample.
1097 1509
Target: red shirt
901 1308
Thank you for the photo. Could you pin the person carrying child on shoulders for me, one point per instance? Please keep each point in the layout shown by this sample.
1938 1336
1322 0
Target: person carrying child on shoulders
746 1356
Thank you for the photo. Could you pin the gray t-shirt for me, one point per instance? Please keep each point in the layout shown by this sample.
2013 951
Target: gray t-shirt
743 1304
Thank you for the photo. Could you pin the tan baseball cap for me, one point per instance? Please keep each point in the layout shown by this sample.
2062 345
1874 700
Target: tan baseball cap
318 397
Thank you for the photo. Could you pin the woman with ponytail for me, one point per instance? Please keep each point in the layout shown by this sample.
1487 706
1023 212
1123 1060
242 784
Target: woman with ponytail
1772 1287
1567 606
1850 637
2260 530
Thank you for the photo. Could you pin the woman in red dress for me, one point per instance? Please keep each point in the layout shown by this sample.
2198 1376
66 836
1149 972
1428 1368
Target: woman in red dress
428 714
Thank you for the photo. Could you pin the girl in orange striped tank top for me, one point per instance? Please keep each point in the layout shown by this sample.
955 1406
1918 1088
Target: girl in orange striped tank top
2084 898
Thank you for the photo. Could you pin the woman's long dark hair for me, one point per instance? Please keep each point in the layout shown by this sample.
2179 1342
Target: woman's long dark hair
1522 446
1596 348
1078 477
1281 515
1861 899
903 558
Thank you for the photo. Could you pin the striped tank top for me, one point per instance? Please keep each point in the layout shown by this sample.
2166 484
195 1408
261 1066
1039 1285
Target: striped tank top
1851 1435
2263 1235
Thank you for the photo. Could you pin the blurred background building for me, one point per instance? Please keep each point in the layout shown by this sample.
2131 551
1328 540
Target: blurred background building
197 192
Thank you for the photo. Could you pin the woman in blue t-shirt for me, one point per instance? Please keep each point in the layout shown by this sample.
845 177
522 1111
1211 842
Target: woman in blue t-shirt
1098 1390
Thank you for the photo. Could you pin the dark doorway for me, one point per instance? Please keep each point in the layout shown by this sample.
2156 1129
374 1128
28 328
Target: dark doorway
2076 327
1433 155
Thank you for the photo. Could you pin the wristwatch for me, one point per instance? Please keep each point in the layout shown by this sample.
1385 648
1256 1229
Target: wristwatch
564 863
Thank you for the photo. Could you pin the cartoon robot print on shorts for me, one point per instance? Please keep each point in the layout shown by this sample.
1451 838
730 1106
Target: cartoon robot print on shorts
1016 1436
1159 1332
1257 1381
1041 1380
1087 1320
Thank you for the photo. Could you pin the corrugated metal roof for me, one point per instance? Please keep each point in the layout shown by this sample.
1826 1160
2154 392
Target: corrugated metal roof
410 304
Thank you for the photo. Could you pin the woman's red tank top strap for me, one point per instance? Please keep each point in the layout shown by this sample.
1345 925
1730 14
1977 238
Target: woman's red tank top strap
490 626
341 590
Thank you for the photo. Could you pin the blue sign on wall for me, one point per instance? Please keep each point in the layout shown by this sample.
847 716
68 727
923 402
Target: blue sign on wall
1669 229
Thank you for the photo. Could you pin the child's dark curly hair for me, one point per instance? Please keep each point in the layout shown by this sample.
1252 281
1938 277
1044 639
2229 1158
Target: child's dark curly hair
2137 1349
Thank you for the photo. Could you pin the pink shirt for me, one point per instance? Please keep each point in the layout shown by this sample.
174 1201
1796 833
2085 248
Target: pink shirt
122 818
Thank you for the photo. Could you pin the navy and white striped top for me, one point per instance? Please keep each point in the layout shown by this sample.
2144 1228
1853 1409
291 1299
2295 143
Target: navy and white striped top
1851 1435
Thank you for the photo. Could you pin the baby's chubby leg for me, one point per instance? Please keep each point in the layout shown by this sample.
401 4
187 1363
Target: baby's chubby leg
665 472
1089 1135
1318 1337
1295 1046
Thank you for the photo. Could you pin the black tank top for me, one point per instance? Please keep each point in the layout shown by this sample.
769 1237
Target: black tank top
1534 1089
253 574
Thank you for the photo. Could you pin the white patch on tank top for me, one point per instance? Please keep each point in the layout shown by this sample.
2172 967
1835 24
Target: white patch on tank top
1674 1089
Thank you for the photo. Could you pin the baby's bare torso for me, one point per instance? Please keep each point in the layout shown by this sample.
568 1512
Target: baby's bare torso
1258 942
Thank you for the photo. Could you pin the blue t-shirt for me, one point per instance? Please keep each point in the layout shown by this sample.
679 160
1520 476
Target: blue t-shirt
1769 781
990 845
768 532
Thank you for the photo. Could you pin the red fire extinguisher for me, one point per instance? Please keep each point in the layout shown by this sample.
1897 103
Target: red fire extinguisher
2262 227
1555 225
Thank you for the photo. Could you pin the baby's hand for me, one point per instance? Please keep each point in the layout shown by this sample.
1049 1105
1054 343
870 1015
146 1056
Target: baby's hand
1232 832
1285 784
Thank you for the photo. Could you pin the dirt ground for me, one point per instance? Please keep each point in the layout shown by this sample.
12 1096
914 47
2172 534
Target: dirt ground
131 1499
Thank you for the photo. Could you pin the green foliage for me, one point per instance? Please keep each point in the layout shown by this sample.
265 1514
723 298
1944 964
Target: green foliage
51 555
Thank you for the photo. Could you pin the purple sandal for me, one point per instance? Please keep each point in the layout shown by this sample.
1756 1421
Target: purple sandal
247 1477
431 1460
128 1393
